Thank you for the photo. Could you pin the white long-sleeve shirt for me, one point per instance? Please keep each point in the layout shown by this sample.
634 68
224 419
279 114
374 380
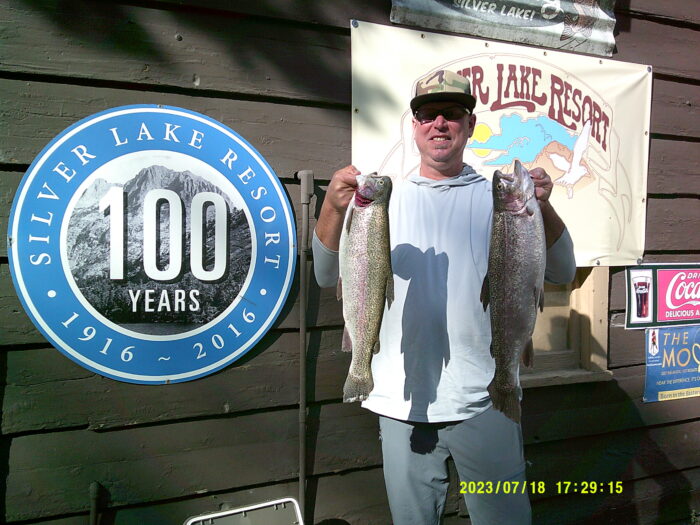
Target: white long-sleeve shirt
434 362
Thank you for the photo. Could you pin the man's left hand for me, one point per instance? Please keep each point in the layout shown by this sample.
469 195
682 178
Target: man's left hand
543 184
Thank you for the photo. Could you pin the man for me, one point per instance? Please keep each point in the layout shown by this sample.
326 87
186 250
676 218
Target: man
434 363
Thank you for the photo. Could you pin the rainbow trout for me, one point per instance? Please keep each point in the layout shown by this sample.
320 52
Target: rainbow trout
514 283
366 281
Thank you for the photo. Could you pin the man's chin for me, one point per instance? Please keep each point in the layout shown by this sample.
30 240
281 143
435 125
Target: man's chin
442 155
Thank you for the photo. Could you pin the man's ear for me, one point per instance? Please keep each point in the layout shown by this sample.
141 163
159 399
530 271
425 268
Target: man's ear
472 125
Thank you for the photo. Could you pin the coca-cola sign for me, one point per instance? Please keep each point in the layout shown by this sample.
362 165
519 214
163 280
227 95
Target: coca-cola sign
663 295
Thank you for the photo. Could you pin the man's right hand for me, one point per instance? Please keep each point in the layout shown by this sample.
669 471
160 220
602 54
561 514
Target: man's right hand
340 191
341 188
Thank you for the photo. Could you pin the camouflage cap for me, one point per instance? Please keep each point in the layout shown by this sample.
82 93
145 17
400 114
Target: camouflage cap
443 85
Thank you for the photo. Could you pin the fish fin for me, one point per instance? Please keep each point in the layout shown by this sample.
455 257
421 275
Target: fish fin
375 348
339 289
485 292
528 356
350 213
346 345
530 206
357 388
505 400
539 297
390 290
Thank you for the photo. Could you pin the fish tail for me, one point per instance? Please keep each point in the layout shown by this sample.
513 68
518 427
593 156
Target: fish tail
357 388
506 400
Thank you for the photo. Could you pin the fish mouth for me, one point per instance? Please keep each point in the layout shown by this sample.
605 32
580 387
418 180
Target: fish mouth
373 187
365 193
361 201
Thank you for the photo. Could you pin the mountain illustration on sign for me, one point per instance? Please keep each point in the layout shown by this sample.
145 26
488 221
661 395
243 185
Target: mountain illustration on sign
538 142
139 302
575 168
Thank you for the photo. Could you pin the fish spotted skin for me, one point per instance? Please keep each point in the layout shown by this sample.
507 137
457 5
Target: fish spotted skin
514 283
366 279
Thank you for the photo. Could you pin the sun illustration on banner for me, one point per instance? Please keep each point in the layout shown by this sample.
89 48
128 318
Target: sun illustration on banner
482 133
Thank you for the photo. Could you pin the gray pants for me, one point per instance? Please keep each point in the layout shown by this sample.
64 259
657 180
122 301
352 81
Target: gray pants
486 448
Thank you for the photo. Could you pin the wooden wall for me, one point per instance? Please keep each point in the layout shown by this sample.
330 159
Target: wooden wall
278 72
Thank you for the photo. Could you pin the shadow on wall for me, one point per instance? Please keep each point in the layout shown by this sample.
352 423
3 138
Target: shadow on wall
262 55
104 25
215 50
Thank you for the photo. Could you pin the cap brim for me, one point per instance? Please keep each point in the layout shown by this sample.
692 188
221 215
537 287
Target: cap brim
467 101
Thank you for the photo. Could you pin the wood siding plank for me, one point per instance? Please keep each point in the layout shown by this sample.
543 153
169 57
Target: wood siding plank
322 12
9 182
356 497
674 167
672 10
674 108
672 224
16 326
629 345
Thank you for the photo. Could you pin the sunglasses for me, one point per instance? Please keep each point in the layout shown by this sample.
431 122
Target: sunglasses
452 113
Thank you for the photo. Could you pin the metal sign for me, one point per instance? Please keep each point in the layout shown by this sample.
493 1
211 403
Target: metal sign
585 26
672 363
663 295
151 244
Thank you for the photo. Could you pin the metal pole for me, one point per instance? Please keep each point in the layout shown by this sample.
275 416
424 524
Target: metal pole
307 190
95 490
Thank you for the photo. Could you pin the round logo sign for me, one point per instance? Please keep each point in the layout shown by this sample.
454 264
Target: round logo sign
151 244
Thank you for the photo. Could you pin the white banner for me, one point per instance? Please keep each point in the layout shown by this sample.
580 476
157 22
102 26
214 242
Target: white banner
585 120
